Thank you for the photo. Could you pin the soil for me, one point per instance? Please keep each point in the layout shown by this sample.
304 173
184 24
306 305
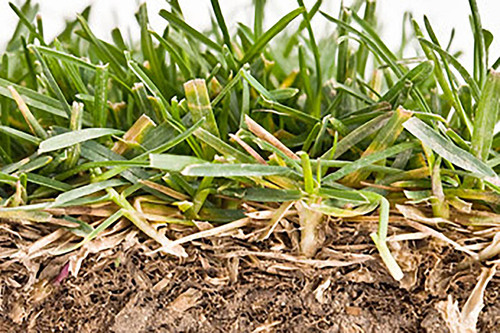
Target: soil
238 284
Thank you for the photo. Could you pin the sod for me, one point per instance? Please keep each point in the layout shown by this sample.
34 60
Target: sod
248 178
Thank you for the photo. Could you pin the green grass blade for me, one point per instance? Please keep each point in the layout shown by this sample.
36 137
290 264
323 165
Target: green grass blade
26 21
258 23
222 23
379 239
105 54
362 54
94 233
75 125
53 83
330 210
487 115
179 60
359 164
359 134
309 184
48 182
221 146
149 51
371 39
172 162
418 74
146 80
384 139
343 47
455 63
262 41
29 10
71 138
156 150
178 22
317 61
100 111
263 194
234 170
480 53
440 207
227 88
255 84
85 190
16 134
34 164
446 149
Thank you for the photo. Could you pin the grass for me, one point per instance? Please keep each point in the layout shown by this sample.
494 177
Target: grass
203 125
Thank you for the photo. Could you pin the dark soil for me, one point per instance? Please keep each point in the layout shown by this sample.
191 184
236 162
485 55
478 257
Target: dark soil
222 288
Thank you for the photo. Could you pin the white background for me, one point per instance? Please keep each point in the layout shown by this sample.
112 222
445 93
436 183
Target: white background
107 14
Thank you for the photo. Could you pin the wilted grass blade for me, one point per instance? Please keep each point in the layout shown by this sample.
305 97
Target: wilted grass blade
199 105
33 98
32 122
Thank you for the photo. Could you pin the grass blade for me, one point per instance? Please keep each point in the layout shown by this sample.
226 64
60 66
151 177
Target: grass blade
33 98
486 117
480 53
101 96
367 160
455 63
71 138
199 105
222 23
446 149
16 134
384 139
262 41
86 190
33 124
234 170
178 22
172 162
221 146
